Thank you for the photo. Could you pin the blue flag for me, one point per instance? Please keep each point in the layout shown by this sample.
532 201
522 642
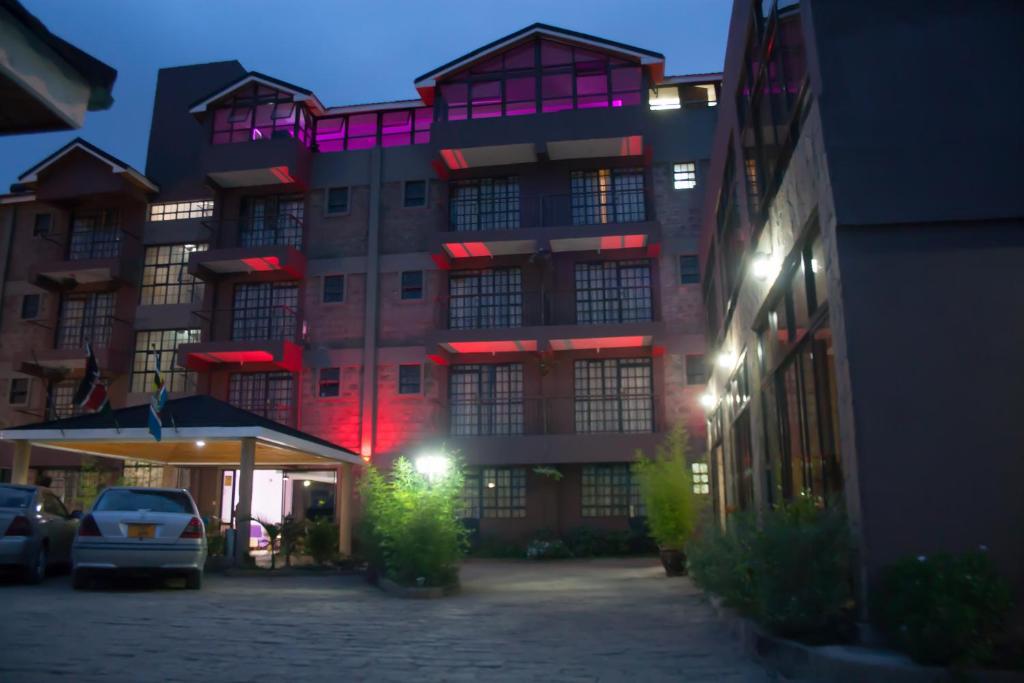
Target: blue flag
159 398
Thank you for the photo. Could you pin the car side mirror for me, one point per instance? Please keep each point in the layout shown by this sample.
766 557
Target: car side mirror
76 514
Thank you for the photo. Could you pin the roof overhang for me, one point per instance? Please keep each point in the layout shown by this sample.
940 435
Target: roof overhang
600 343
492 346
600 243
298 94
257 355
654 61
375 106
222 445
284 260
116 165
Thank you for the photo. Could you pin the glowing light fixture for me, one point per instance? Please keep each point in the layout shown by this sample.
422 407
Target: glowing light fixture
306 483
200 444
433 466
727 360
490 484
762 266
707 399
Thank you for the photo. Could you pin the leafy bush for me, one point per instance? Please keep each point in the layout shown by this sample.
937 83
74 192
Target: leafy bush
791 575
292 533
943 609
666 488
214 545
547 549
410 525
322 540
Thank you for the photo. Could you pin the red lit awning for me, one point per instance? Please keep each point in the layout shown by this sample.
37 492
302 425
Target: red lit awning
260 355
598 343
285 260
499 346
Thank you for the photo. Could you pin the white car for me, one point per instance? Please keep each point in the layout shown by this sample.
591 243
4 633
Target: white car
141 531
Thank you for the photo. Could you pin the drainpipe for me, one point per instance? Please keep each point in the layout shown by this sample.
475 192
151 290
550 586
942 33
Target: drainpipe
368 413
11 223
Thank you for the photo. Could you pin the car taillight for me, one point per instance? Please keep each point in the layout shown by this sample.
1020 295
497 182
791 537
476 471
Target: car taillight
194 529
88 527
19 527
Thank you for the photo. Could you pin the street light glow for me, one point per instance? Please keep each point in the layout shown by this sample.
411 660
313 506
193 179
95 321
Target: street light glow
433 466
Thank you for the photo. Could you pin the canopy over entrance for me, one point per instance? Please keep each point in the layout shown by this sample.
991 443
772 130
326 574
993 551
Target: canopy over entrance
197 431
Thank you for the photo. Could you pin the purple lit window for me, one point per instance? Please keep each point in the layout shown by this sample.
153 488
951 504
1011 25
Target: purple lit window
555 54
260 113
488 66
330 134
396 128
455 95
362 131
486 100
521 96
556 91
626 85
520 57
423 118
592 91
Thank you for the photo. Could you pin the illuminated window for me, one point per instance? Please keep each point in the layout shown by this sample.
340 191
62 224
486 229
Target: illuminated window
261 113
60 401
179 211
17 395
330 382
684 176
334 289
663 97
396 128
165 276
409 379
165 343
412 284
503 492
701 480
608 196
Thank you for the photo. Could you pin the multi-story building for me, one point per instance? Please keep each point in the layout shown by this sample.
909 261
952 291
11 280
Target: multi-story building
505 266
863 249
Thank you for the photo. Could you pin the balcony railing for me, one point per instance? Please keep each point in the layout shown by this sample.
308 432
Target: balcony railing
528 416
265 323
473 214
94 243
273 230
516 308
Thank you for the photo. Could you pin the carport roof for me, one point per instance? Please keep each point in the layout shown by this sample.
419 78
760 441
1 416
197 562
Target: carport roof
186 421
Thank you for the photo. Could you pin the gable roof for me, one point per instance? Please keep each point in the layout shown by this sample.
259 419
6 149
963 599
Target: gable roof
646 57
189 413
298 93
116 165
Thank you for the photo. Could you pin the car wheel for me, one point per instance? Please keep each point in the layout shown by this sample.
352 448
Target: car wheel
79 579
194 580
37 570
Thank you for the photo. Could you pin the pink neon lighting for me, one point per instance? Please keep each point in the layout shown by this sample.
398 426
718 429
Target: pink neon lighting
262 264
467 249
509 346
609 242
632 146
454 159
281 173
595 343
477 249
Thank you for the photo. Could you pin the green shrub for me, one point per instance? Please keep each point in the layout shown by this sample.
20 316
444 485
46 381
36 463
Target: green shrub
943 609
410 525
791 575
666 488
322 540
215 545
547 549
587 542
292 533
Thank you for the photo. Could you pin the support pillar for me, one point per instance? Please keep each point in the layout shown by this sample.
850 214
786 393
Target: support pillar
243 513
343 499
170 477
19 468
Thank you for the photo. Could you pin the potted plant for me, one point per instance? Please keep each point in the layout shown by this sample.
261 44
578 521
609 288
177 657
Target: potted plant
666 488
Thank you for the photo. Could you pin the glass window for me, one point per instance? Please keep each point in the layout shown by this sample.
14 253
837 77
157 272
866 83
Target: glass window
415 194
126 500
362 131
53 506
337 200
684 175
485 298
614 395
485 400
606 490
177 211
663 97
701 478
150 345
60 401
274 220
396 128
95 234
165 276
608 196
521 96
696 370
613 292
504 492
330 382
689 269
484 204
334 289
469 498
269 394
142 474
409 378
486 99
30 306
412 284
85 318
265 310
18 393
42 224
257 112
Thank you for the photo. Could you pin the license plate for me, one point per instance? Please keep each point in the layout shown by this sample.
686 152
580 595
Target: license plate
141 530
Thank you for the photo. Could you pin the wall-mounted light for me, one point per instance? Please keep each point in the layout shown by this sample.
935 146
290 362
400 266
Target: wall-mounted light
200 444
762 266
306 483
726 359
707 400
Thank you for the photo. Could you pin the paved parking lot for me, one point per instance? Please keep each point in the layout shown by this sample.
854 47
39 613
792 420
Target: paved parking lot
606 620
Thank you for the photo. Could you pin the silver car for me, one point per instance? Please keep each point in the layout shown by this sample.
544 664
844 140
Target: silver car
36 530
141 531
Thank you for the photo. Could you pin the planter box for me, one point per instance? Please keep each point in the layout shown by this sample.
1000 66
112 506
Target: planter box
427 593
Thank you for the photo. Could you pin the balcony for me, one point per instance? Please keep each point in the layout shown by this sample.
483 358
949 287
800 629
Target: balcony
516 321
269 246
552 222
93 256
560 429
279 160
262 339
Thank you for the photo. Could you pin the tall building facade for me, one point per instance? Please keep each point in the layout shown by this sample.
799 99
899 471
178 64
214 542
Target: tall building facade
505 266
862 243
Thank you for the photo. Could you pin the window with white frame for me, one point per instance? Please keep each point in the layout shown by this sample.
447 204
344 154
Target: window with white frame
701 479
684 175
179 211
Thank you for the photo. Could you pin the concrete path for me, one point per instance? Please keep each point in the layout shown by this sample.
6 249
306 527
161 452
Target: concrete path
585 620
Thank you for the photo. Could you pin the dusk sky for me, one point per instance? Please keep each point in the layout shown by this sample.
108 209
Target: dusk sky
345 52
